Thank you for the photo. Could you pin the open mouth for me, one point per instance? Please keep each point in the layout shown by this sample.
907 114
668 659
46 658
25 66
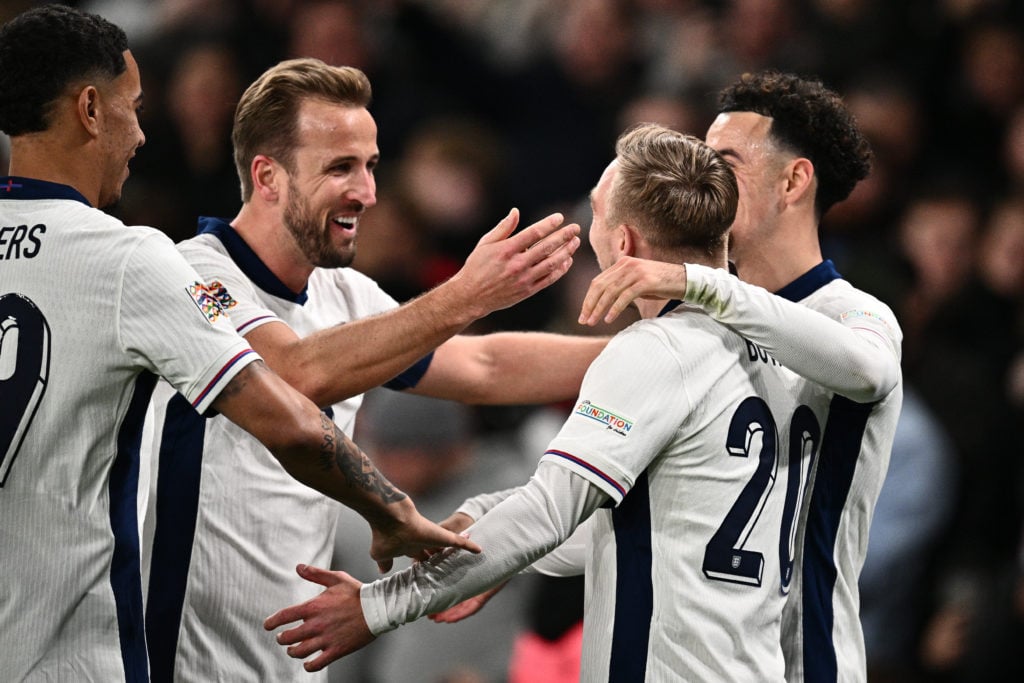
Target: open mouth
348 224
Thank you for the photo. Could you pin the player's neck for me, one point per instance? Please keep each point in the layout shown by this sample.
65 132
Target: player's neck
274 245
780 259
43 157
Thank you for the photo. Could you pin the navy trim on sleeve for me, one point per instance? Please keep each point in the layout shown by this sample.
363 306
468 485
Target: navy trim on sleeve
412 375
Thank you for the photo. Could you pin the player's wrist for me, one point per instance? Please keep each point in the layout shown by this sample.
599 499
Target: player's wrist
458 302
394 514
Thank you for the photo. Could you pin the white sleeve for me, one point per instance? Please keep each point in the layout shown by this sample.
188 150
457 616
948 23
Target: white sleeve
531 522
237 293
855 360
567 559
477 506
172 323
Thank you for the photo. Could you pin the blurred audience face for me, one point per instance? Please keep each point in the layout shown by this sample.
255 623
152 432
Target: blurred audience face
992 61
756 30
202 94
1001 256
1013 149
938 238
891 120
594 40
672 112
331 31
447 173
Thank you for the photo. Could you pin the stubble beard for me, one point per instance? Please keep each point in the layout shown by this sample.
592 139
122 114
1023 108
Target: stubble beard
312 237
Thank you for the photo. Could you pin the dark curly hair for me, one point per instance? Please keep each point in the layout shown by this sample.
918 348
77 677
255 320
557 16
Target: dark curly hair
42 52
810 120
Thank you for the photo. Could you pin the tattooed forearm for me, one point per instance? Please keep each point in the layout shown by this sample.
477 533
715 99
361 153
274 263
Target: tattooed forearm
238 382
355 466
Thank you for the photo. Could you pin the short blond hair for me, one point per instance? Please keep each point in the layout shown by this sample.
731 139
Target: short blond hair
680 193
266 119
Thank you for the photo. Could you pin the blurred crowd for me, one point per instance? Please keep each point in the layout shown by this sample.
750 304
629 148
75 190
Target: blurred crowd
487 104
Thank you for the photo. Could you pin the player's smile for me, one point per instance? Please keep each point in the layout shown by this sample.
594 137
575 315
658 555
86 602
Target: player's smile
346 225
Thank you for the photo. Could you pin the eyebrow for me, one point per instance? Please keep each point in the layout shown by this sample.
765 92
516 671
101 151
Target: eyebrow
350 158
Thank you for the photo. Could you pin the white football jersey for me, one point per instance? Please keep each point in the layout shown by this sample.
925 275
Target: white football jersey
822 635
231 524
91 311
860 357
691 430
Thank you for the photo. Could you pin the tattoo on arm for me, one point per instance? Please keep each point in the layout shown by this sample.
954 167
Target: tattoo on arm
355 466
238 382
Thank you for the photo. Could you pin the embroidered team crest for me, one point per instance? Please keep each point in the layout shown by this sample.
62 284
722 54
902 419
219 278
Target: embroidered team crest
212 299
616 423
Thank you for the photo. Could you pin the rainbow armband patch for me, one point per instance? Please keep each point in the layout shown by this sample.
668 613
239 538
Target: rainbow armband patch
616 423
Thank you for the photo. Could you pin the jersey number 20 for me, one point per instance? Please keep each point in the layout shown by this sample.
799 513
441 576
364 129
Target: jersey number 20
725 557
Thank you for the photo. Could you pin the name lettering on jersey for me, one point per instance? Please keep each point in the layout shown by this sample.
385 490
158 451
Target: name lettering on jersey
755 352
616 423
20 241
212 299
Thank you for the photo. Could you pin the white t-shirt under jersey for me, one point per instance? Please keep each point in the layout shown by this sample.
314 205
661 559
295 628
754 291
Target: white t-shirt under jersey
90 312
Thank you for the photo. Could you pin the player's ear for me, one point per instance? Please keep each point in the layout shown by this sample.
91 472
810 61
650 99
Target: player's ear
266 177
87 109
799 179
628 240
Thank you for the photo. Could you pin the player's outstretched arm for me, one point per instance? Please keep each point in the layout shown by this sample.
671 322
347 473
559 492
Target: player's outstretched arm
858 359
316 452
458 522
522 528
466 608
331 623
504 268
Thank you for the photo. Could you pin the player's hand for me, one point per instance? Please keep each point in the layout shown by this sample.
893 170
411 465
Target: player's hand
332 622
466 608
625 281
505 268
457 522
416 537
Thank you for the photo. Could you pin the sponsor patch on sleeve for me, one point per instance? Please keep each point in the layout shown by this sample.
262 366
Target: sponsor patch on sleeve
212 299
616 423
867 315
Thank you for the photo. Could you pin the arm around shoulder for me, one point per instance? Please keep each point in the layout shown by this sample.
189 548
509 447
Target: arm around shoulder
853 351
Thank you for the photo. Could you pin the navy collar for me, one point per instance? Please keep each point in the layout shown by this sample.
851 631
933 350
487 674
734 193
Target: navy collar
246 259
810 282
13 187
669 307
